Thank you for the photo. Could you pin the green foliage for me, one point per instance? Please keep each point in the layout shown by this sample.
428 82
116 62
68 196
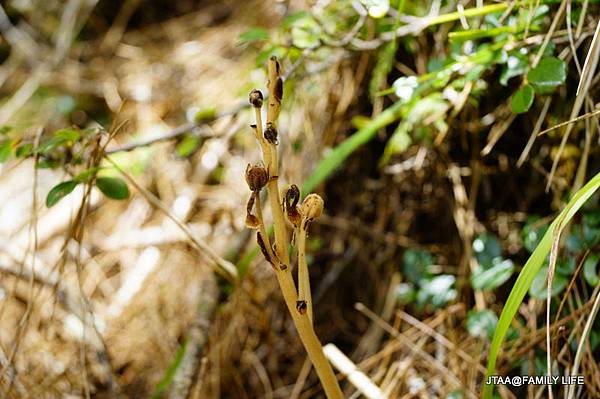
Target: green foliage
188 145
516 65
481 324
495 276
113 187
436 291
522 99
547 75
532 233
423 285
59 191
589 270
254 35
492 270
416 265
530 271
6 148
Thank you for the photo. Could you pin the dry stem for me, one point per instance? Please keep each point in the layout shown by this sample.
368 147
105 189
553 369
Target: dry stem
302 321
304 293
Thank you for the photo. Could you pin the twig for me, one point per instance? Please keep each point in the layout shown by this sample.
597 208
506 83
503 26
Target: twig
190 126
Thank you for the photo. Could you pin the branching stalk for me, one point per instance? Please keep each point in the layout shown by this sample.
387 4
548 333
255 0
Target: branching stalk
280 253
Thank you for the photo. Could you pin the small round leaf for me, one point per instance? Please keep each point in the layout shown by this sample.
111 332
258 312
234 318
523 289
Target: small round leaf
113 187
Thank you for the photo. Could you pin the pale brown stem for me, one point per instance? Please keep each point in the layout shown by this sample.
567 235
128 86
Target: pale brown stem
304 293
263 231
286 283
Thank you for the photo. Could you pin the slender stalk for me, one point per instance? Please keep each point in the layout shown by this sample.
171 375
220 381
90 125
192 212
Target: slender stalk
304 293
263 231
302 321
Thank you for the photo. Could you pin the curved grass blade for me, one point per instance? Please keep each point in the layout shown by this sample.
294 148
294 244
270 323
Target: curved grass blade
528 273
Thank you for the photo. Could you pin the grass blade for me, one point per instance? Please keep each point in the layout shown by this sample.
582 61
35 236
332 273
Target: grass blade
528 273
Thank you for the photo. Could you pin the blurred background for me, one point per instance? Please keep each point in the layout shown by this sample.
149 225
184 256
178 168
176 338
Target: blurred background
124 137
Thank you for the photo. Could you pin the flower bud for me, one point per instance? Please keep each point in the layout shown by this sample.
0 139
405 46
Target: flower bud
256 98
312 207
291 198
256 177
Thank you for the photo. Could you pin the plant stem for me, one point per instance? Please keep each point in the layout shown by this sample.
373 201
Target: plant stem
304 293
284 276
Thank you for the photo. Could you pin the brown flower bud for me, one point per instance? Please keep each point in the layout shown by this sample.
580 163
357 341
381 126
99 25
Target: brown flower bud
251 221
256 98
312 207
271 134
291 198
256 177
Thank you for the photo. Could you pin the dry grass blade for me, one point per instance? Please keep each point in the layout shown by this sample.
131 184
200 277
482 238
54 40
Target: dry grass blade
589 69
590 60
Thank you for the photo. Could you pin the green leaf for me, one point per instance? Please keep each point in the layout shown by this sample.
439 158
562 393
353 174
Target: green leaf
47 146
5 150
516 64
522 99
254 35
488 279
589 270
47 164
188 145
481 324
532 233
67 134
24 150
438 291
59 191
529 272
487 250
549 73
292 18
5 130
398 143
113 187
416 264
